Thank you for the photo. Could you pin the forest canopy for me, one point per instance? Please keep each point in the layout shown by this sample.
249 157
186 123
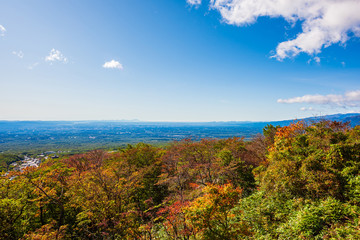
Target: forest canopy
295 182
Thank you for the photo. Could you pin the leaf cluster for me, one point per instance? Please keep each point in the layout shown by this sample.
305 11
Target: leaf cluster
301 181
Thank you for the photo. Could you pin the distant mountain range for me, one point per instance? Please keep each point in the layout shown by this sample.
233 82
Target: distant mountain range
352 118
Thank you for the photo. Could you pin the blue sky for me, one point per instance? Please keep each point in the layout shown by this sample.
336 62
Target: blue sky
178 60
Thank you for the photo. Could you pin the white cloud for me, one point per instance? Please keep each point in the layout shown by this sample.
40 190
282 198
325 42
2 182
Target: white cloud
2 30
113 64
20 54
306 109
315 59
194 2
324 22
56 55
350 99
352 111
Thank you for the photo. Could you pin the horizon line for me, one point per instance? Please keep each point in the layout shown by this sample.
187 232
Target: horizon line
145 121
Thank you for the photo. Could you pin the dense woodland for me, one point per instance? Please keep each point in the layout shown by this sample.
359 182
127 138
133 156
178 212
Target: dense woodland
296 182
6 159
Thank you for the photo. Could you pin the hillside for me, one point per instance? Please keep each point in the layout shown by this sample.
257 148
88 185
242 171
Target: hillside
294 182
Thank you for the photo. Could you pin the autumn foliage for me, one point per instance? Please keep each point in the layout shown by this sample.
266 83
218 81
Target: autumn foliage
296 182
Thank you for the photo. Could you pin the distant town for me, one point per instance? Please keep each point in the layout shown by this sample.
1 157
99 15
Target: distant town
30 161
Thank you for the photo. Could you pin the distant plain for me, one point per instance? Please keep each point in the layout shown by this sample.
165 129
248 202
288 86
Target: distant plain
37 136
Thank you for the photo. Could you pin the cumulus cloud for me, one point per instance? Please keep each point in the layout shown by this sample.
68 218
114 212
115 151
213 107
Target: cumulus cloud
56 55
350 99
324 22
194 2
317 59
20 54
2 30
113 64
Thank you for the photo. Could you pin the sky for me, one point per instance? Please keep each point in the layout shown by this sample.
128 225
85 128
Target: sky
178 60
